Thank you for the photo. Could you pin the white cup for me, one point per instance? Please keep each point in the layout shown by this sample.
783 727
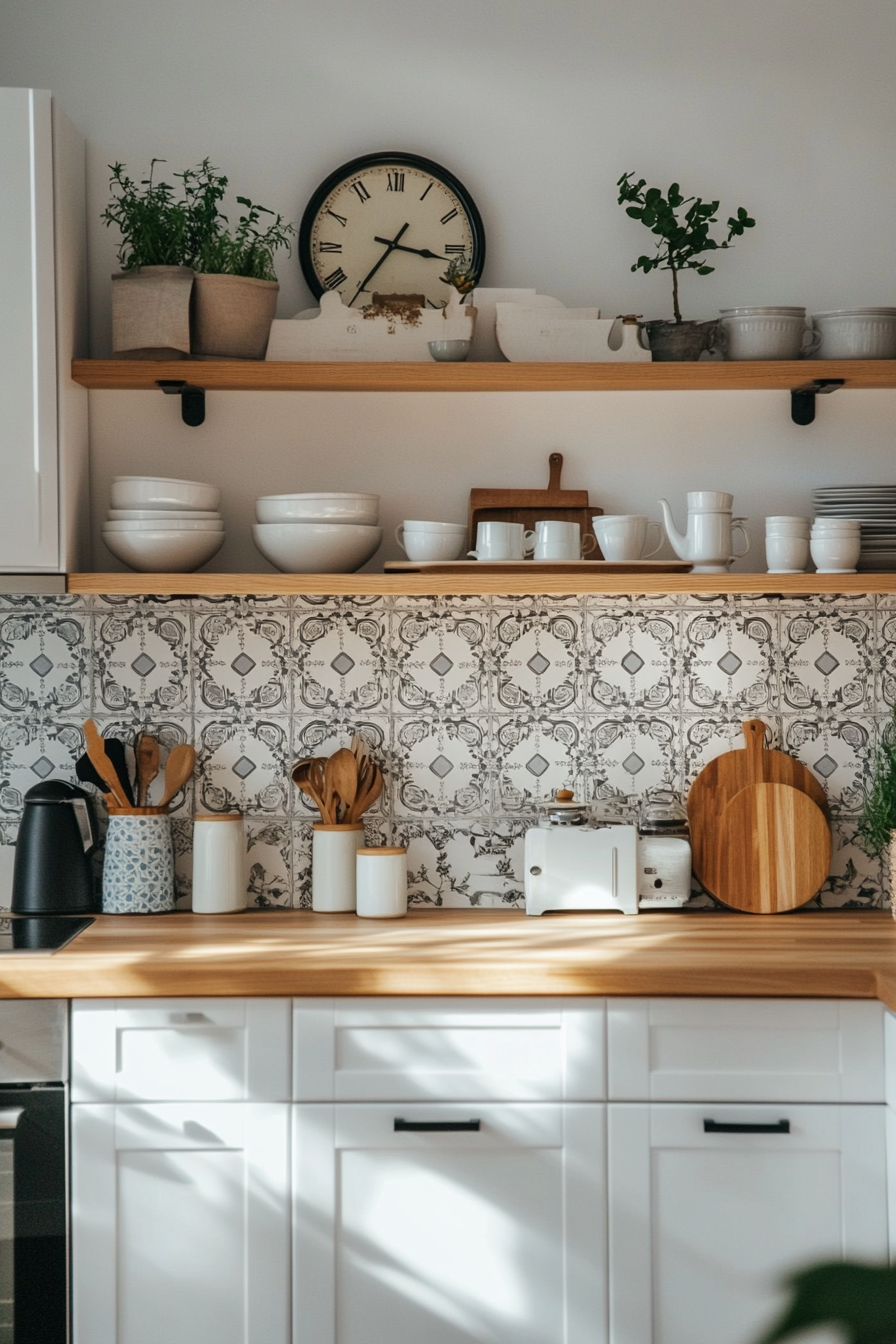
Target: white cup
786 554
431 541
843 525
623 536
559 540
787 525
502 541
836 553
382 882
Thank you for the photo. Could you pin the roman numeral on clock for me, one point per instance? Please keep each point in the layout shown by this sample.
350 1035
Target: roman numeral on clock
454 249
335 279
452 214
329 247
361 191
396 181
340 218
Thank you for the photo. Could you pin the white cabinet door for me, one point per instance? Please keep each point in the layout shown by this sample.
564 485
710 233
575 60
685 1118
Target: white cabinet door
180 1224
706 1219
495 1234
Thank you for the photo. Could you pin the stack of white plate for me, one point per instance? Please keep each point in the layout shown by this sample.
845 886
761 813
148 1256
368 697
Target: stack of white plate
319 533
160 525
875 508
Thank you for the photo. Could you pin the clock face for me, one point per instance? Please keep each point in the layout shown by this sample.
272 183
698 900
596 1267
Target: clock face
388 224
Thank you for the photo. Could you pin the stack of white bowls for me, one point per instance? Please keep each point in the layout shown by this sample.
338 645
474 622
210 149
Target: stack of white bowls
318 533
835 545
164 526
786 543
874 506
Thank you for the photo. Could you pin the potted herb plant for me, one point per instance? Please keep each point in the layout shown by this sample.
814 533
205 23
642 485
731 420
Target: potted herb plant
876 831
151 293
681 225
235 291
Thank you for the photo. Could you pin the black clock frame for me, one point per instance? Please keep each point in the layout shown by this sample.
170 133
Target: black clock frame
358 165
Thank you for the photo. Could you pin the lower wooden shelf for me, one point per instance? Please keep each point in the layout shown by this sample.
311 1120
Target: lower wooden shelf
473 585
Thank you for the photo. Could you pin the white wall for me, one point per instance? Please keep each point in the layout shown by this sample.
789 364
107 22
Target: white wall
785 106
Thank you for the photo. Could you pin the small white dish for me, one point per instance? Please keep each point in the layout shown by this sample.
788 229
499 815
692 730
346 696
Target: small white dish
160 515
449 351
319 507
163 552
162 492
316 548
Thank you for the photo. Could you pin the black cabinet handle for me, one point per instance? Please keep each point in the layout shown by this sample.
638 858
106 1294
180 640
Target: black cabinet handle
436 1126
736 1127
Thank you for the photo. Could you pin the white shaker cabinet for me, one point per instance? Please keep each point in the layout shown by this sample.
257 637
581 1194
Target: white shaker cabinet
43 272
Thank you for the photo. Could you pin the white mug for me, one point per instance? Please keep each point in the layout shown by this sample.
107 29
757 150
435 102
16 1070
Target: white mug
787 525
786 554
623 536
502 541
556 539
431 541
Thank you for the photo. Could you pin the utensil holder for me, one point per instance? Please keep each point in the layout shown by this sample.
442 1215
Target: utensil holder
333 850
138 871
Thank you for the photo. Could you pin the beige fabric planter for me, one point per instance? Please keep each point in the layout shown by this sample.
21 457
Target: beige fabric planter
151 312
232 316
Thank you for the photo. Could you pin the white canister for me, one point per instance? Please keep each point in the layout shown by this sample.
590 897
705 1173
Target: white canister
333 850
219 864
382 876
138 865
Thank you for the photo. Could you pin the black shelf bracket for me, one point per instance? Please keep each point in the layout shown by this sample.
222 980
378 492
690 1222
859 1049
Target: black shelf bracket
192 399
802 399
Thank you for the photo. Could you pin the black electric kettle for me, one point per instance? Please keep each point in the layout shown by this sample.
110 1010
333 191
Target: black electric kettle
53 873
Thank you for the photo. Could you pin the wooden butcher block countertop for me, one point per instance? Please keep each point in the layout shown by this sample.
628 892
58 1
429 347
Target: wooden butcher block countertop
468 952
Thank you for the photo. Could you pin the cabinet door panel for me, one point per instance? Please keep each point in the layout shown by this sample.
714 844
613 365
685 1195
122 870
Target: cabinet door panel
180 1224
496 1235
703 1226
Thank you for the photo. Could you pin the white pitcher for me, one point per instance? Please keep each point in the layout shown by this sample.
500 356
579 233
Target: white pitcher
707 542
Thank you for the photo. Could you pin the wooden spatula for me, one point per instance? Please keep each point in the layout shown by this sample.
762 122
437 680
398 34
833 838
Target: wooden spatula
147 756
178 769
774 850
96 751
342 781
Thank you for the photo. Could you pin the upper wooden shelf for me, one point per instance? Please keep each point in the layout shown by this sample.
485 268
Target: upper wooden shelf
258 376
473 585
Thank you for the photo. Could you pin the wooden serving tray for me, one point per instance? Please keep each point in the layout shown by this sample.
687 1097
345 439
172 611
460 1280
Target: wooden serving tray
537 566
528 506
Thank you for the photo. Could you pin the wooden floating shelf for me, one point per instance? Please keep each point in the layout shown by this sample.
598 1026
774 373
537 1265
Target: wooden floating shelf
260 376
473 585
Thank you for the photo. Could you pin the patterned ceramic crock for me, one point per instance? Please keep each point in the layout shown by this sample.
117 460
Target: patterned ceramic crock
138 871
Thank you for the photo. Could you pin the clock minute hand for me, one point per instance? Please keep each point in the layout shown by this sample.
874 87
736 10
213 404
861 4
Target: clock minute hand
420 251
390 248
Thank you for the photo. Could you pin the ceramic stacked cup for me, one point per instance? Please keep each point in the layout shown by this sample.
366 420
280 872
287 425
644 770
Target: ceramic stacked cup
835 545
786 544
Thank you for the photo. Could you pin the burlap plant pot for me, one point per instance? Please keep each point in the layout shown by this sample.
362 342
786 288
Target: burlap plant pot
232 316
151 312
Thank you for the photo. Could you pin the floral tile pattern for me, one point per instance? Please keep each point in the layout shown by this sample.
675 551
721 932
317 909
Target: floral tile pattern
478 710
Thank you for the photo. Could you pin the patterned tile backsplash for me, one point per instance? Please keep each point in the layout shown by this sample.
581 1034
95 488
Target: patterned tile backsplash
478 709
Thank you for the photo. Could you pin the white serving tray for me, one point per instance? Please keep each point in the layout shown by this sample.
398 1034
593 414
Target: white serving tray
335 332
565 336
538 566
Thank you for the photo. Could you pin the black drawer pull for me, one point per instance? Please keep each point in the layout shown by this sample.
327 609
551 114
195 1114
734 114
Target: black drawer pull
436 1126
736 1127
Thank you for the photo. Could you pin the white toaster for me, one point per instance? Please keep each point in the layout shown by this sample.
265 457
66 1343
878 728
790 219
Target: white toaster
604 868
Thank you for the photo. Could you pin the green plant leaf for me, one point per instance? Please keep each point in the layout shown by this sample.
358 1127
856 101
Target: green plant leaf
860 1299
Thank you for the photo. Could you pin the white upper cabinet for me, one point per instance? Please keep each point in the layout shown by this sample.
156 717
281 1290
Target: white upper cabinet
745 1050
43 415
180 1050
446 1049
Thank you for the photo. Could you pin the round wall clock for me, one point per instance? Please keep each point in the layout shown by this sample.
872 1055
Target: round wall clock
388 224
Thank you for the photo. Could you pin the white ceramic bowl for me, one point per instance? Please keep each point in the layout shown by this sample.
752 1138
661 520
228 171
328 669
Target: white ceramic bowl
856 333
764 334
317 548
162 492
836 525
165 525
835 554
163 552
159 515
450 352
431 545
446 529
345 507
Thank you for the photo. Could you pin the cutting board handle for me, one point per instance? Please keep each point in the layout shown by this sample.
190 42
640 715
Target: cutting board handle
555 462
754 735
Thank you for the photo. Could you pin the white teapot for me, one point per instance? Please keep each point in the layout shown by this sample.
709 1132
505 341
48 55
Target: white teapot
707 542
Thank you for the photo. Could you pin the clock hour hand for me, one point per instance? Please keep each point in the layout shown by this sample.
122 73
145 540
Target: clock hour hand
390 248
420 251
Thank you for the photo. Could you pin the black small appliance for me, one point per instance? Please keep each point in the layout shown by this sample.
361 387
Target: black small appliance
53 872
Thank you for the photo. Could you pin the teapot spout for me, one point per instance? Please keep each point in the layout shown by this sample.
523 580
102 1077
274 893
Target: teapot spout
676 540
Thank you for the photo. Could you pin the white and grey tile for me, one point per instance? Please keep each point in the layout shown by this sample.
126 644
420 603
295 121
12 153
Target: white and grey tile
341 658
242 661
440 766
631 659
538 658
142 660
630 754
534 755
838 751
440 659
728 661
243 765
479 863
826 660
45 659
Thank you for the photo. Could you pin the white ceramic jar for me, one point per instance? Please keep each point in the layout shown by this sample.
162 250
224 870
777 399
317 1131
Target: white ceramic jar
382 879
333 850
219 864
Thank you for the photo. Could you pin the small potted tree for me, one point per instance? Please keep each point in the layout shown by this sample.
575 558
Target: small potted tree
876 831
151 293
683 243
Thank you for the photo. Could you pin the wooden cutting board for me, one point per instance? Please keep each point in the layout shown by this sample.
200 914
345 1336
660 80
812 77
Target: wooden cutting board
774 850
724 777
528 506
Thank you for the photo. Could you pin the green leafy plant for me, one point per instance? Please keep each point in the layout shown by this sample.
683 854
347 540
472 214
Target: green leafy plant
684 238
860 1299
203 190
249 250
153 223
878 820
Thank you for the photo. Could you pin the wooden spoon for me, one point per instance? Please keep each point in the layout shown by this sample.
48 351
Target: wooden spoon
96 751
340 782
179 767
306 775
147 757
367 794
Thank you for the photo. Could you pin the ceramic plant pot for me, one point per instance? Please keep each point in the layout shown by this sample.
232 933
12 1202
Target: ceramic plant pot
232 316
138 870
151 312
679 340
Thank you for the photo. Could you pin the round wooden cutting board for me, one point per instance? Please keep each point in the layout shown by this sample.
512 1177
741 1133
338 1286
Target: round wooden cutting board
773 851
